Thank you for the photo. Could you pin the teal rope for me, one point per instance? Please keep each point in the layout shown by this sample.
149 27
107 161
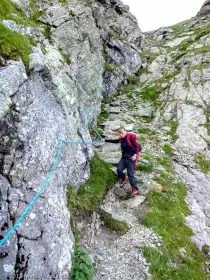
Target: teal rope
33 201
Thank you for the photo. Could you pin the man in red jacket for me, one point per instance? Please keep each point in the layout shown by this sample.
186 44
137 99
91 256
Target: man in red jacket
129 156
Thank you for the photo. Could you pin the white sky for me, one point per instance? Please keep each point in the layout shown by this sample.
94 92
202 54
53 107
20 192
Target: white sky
152 14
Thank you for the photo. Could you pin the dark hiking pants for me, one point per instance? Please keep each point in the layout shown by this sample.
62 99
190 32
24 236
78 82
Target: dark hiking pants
129 164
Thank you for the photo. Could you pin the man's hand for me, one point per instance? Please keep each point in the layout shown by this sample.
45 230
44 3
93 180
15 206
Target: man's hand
102 141
134 157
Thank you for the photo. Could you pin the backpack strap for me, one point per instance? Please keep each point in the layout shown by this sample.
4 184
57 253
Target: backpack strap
129 140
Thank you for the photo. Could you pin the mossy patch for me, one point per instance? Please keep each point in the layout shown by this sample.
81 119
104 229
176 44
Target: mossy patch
112 223
93 191
14 45
203 163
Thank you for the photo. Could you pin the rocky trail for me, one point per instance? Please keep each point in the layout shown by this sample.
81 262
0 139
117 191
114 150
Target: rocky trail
119 255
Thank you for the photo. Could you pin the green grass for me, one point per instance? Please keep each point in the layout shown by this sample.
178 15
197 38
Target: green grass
36 14
201 66
147 131
110 68
167 149
169 77
166 163
102 118
65 56
149 56
151 94
14 45
203 163
149 167
202 32
133 80
173 125
166 215
93 191
11 11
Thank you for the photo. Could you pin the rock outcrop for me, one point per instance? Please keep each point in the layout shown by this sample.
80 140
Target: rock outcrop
205 10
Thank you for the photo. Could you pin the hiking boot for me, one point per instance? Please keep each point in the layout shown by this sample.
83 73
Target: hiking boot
123 181
134 191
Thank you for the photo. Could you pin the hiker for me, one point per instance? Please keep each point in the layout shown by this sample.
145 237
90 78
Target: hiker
129 156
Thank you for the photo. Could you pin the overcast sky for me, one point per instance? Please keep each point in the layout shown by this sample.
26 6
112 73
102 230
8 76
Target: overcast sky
152 14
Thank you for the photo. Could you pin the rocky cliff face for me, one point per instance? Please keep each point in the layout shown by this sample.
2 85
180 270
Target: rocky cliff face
41 102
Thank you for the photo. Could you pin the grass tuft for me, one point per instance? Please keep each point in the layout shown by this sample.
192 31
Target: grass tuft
203 163
14 45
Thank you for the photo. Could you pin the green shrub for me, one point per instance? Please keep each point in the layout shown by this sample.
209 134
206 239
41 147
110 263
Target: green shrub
82 268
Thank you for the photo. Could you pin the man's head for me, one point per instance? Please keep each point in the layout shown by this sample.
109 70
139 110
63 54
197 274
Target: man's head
122 132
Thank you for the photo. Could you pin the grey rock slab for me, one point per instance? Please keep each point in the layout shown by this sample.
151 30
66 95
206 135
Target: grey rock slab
12 77
120 192
114 110
198 201
145 111
177 41
135 201
129 127
114 125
